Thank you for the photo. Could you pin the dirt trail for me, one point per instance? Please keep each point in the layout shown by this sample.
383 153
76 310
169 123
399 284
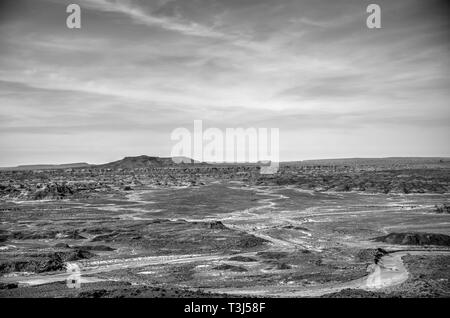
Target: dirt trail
389 271
96 267
261 211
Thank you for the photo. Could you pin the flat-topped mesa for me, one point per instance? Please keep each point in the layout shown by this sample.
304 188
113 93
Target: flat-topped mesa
144 161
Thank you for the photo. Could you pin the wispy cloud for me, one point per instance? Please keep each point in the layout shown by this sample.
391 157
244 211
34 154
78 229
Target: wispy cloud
138 69
140 15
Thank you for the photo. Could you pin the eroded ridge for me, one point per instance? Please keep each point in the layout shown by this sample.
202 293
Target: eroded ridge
332 230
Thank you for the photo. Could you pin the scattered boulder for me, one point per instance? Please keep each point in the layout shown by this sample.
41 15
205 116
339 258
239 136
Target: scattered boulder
8 285
62 245
443 208
228 267
216 225
242 259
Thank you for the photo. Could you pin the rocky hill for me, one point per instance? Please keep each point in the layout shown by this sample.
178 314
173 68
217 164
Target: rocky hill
144 162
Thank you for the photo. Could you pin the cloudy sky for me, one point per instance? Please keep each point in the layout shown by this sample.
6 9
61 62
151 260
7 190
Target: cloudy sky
136 70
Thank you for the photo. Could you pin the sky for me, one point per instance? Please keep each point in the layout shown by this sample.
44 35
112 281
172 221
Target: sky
137 70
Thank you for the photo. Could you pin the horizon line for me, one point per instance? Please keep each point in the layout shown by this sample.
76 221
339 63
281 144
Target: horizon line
227 162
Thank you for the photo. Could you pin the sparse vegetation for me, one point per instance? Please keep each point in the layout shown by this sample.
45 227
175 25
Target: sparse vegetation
141 222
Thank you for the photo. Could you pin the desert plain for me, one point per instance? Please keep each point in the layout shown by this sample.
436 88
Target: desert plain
145 227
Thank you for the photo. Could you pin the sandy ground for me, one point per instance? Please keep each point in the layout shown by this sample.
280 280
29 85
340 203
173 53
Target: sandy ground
289 219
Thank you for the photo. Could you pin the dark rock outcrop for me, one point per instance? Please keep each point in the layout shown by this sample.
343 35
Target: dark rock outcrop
415 239
44 262
242 259
228 267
